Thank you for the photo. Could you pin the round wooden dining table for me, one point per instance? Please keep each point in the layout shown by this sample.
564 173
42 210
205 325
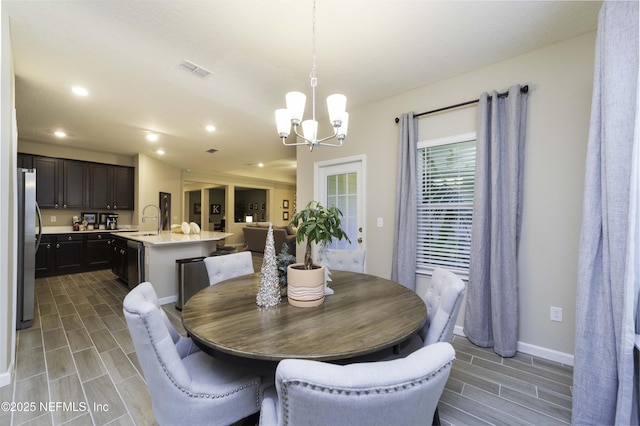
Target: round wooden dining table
364 315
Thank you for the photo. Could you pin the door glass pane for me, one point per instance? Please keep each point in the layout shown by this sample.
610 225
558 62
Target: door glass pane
331 185
342 192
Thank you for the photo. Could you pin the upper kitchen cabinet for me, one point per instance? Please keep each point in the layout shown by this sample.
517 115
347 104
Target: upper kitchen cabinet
74 184
60 184
110 187
47 176
25 161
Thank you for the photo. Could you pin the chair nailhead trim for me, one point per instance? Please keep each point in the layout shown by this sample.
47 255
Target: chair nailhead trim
351 392
187 391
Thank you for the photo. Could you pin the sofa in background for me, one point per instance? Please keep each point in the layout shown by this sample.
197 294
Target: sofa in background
255 237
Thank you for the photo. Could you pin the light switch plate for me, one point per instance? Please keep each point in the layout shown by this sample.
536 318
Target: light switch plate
555 314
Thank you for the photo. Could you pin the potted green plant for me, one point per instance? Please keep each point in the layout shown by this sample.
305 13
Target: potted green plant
283 260
320 225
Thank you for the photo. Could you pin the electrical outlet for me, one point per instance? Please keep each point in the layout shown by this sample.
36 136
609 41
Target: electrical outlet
380 222
555 314
53 219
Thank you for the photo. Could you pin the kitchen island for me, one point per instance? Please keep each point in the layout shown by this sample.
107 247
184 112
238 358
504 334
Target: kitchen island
161 252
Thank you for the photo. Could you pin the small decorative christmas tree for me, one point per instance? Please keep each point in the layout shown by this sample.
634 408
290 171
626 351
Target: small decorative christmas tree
269 289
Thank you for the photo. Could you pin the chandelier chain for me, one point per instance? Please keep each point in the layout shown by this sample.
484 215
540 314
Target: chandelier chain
314 79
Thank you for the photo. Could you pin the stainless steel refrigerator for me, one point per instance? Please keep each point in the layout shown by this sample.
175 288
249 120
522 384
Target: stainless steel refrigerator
28 242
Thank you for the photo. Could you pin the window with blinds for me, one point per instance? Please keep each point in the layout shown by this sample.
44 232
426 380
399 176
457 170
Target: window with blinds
445 169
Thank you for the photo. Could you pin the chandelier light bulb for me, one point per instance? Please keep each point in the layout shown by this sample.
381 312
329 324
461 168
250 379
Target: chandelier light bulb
342 131
310 129
283 122
295 106
336 104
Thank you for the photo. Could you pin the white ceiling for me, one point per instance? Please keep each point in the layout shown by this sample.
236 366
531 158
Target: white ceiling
126 53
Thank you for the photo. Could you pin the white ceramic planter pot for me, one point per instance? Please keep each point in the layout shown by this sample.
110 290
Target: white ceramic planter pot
305 288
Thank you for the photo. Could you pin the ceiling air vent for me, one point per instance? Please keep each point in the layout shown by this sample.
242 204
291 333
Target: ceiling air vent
212 150
194 69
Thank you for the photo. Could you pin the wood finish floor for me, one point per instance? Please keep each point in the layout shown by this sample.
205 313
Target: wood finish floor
79 352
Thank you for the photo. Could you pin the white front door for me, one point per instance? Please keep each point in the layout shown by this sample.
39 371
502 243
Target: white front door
340 183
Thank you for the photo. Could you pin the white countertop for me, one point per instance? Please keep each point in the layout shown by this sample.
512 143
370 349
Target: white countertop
168 237
69 230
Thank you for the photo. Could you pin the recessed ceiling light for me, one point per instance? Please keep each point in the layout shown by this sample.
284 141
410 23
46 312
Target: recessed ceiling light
152 137
160 152
80 91
60 133
210 128
260 164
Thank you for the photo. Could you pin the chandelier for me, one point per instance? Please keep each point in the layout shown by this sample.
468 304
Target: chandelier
292 115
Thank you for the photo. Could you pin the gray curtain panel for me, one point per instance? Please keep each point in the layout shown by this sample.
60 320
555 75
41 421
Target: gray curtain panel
607 292
403 268
491 313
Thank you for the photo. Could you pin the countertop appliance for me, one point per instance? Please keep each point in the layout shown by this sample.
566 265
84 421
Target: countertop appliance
103 220
112 221
28 242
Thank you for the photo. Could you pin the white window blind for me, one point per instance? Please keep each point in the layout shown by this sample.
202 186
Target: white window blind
445 169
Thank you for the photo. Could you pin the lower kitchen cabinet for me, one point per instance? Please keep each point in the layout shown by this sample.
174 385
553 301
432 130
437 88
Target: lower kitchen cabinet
98 251
119 260
45 256
71 253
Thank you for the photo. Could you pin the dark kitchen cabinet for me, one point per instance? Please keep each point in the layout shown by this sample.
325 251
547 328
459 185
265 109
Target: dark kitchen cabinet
99 186
98 251
74 184
69 253
123 184
60 184
45 257
25 161
119 260
110 187
47 178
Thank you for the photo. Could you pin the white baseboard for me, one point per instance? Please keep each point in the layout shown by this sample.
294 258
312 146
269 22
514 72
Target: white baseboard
168 299
5 378
539 351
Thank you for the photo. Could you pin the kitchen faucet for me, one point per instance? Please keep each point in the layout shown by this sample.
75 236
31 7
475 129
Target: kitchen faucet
152 217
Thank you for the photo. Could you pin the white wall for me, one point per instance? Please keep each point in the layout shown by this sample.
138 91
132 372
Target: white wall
153 177
560 80
7 215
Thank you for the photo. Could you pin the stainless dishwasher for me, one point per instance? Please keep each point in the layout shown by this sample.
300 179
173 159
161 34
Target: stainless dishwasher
135 263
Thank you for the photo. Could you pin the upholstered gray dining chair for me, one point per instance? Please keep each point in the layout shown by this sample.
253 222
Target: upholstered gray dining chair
403 391
345 260
220 268
443 298
187 386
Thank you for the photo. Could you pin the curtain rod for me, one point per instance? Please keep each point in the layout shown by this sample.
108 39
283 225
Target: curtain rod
523 89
